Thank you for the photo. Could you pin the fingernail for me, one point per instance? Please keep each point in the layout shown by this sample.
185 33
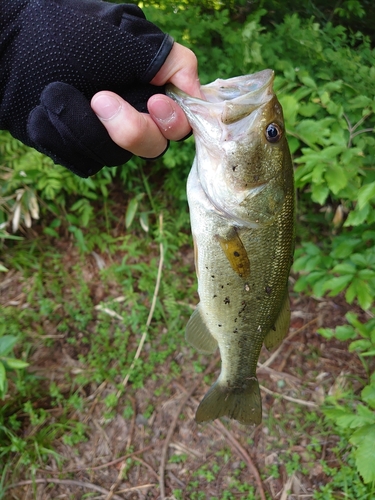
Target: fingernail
106 106
163 111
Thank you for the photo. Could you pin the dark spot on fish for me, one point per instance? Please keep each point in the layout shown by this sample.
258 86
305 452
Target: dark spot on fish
221 286
212 276
268 290
235 320
220 325
242 309
226 300
214 296
234 168
236 254
235 330
273 328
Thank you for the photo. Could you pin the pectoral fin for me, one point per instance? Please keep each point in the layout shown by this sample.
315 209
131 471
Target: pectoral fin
198 335
236 253
277 334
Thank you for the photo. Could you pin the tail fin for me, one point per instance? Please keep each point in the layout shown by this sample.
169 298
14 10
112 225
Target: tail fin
243 404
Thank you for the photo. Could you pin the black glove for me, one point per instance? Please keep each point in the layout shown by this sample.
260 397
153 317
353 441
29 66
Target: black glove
55 55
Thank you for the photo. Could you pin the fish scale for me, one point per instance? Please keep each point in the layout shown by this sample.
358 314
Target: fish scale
241 200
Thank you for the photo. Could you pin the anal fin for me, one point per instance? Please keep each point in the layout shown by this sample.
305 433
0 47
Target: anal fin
277 334
198 335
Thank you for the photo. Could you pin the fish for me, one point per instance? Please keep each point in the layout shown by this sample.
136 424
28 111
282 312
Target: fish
242 211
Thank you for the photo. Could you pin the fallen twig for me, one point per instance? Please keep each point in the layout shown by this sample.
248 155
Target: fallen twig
172 427
111 492
140 347
133 488
67 482
243 454
287 487
152 309
289 398
102 466
148 467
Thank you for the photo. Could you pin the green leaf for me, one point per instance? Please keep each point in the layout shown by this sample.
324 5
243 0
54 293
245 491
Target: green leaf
328 333
308 81
345 248
15 364
357 217
49 231
337 284
132 209
345 332
336 178
348 420
320 193
360 345
350 293
359 259
130 212
344 268
335 413
366 194
368 353
7 342
290 109
364 439
366 274
368 395
366 414
364 295
318 287
2 378
144 221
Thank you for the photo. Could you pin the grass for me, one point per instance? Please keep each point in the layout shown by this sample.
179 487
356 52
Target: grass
91 391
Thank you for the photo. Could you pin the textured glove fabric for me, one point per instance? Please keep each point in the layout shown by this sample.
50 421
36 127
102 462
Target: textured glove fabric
55 55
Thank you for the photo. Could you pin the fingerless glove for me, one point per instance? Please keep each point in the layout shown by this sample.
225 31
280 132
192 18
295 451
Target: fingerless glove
55 55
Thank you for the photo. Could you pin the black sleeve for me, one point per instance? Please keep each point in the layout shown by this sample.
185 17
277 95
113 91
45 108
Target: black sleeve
55 55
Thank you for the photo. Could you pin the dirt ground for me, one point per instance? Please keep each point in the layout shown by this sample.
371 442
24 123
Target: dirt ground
131 458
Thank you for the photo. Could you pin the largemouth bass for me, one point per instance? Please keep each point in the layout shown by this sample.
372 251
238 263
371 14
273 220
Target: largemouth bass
241 200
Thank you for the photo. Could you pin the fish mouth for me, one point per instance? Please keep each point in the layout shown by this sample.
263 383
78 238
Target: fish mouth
229 100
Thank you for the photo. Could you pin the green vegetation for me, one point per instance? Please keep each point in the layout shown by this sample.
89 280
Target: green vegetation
81 258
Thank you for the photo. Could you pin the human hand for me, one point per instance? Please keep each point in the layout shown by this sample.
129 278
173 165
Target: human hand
47 82
143 134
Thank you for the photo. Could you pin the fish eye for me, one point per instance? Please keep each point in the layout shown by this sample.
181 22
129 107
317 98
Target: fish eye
273 132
